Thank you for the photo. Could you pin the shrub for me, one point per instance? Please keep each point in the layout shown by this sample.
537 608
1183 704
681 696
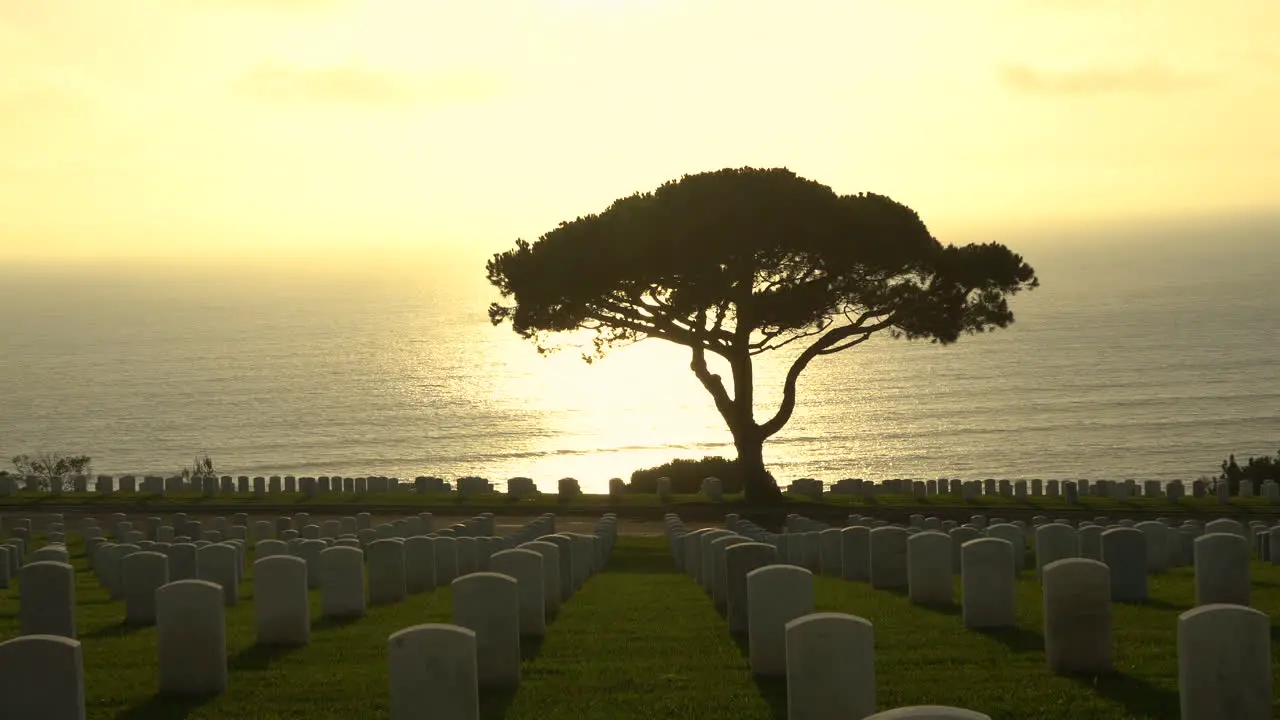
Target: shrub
53 470
1256 471
687 475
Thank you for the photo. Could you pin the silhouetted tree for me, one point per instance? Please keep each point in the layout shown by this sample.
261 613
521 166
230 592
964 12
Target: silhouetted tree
201 469
739 262
54 471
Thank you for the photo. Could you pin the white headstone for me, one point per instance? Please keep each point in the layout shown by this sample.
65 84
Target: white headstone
446 560
419 564
489 605
1017 542
565 546
267 548
42 678
550 574
1224 663
855 553
929 580
386 572
191 638
776 595
740 560
1124 550
1055 541
831 667
830 548
218 564
281 607
525 566
342 592
433 671
988 588
143 573
47 603
1077 616
888 558
1222 569
1155 534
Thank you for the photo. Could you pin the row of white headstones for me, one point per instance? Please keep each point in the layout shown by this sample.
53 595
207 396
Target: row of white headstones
763 583
502 589
284 528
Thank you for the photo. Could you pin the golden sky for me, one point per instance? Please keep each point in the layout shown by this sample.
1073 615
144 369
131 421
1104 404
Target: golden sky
257 128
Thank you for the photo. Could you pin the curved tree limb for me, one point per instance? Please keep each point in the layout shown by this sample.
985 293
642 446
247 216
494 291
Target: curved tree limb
832 339
713 384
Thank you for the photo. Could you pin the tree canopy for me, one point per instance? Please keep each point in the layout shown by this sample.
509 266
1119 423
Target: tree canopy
738 262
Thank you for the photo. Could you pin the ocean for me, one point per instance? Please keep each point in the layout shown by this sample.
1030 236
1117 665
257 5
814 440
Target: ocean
1144 356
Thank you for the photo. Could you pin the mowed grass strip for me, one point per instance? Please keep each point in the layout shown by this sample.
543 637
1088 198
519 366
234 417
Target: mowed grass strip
639 641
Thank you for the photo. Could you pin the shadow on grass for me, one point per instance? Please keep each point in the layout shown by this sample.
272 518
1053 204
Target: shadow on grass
116 631
1162 605
952 608
259 656
1016 639
642 562
164 707
1139 697
772 690
530 647
333 623
495 703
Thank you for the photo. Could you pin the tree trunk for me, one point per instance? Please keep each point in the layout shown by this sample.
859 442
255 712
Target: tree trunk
758 486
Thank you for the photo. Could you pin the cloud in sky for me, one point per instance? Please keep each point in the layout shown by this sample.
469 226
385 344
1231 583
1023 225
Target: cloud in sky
1095 80
352 85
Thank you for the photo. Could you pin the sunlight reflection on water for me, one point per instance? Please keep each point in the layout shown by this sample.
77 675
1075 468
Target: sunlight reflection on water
1155 377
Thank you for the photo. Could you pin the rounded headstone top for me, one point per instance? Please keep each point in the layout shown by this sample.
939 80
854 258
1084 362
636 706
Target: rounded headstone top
1075 562
928 712
827 617
491 578
780 570
1219 609
433 628
279 560
515 552
40 639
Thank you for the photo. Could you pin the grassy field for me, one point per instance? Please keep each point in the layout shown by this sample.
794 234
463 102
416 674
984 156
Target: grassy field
641 641
637 505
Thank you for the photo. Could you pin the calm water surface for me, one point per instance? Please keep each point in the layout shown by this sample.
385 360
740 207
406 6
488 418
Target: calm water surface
1152 362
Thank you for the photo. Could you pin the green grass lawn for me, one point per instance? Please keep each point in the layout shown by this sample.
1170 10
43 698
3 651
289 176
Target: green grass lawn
641 641
634 504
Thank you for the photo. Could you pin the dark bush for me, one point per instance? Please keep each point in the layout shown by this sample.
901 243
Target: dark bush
687 475
1256 471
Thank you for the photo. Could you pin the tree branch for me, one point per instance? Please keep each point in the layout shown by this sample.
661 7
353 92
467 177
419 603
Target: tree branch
831 340
856 341
763 345
713 384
